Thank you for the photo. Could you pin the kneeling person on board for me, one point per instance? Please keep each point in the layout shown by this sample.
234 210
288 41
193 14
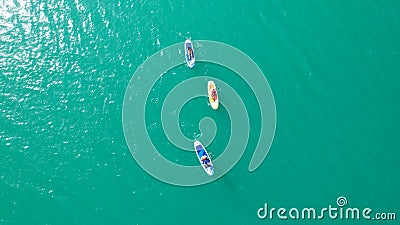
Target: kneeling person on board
205 160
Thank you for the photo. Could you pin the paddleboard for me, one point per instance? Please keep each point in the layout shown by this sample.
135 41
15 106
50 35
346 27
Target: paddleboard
204 158
189 54
212 95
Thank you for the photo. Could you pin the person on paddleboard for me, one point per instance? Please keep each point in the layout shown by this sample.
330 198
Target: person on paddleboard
190 52
214 95
205 160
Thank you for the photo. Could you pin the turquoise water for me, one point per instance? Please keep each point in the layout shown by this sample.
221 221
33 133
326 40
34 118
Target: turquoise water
333 67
